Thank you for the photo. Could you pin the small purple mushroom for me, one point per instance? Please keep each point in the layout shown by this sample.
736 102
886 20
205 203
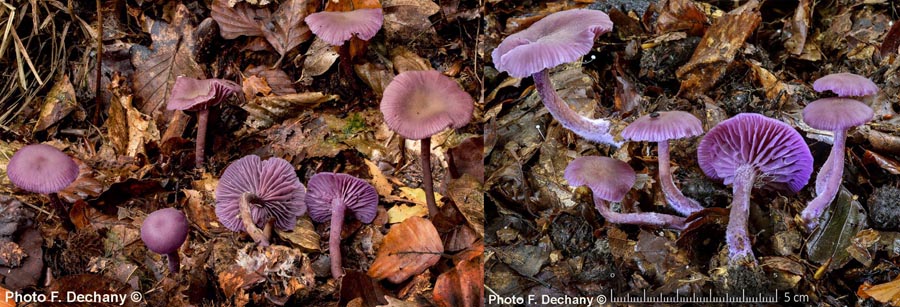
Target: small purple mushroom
836 115
846 85
189 94
609 180
330 196
661 127
419 104
336 28
40 168
749 150
163 231
556 39
253 193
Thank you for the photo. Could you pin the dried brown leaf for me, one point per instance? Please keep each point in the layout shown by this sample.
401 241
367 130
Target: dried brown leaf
84 186
407 20
891 41
319 58
890 165
254 86
798 28
238 19
887 293
303 236
28 274
286 29
467 194
276 78
266 111
408 249
59 102
377 77
681 15
406 60
91 283
462 286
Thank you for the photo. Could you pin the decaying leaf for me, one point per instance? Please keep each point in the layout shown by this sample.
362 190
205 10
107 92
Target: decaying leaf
238 19
266 111
319 58
276 79
84 186
886 293
32 269
407 60
681 15
60 101
408 249
91 283
468 195
407 20
400 213
303 236
417 196
462 286
840 223
890 165
798 28
286 29
375 76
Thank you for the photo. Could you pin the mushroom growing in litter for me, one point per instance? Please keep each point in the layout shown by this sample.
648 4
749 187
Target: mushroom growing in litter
419 104
163 231
846 85
559 38
253 193
330 196
750 150
609 180
189 94
40 168
660 127
336 28
836 115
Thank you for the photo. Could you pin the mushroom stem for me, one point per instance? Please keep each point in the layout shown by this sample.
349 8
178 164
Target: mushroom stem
346 64
334 239
247 219
832 182
202 119
683 204
651 219
736 233
595 130
427 181
174 261
63 211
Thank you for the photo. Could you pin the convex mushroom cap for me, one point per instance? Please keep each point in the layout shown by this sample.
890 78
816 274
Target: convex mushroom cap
419 104
189 94
164 230
559 38
836 113
41 168
336 28
356 194
608 178
846 84
663 126
277 190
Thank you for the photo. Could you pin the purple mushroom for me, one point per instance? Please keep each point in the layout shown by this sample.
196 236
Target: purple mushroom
336 28
556 39
836 115
163 231
253 193
750 150
846 85
189 94
40 168
419 104
609 180
330 196
660 127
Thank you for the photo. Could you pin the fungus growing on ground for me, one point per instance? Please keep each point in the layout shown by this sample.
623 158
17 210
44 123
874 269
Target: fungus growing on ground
750 150
163 231
336 28
609 180
253 193
836 115
846 85
40 168
559 38
419 104
660 127
330 196
189 94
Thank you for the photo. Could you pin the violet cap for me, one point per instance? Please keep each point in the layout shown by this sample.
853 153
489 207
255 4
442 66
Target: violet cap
336 28
772 147
556 39
663 126
846 84
41 168
419 104
357 194
279 193
608 178
189 94
164 230
836 113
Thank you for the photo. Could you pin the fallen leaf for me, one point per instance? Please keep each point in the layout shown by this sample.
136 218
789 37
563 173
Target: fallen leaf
400 213
286 29
890 165
886 293
408 249
276 78
236 279
841 222
117 121
254 86
798 28
199 212
357 285
303 236
90 283
417 195
319 58
891 41
59 102
467 194
462 286
31 271
238 19
379 181
407 20
6 301
681 15
141 129
377 77
265 111
406 60
467 158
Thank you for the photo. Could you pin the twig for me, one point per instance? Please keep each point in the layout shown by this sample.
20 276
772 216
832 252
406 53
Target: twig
97 98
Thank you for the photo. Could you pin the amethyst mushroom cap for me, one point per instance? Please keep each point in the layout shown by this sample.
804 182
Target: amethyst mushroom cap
189 94
330 196
837 115
419 104
661 127
251 192
336 28
846 85
164 231
750 150
41 168
609 180
558 38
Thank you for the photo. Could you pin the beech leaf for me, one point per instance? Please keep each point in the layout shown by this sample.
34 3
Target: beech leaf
409 248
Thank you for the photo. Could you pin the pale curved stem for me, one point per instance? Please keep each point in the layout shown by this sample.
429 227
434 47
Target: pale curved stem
683 204
259 236
824 174
334 237
595 130
736 234
832 182
645 218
